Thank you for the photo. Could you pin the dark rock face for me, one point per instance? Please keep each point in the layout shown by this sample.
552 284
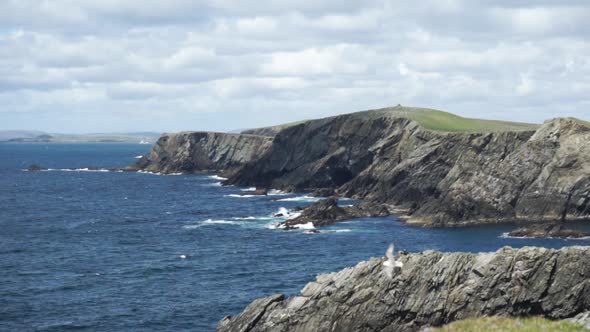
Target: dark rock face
440 179
431 289
327 212
321 213
548 230
190 152
436 178
35 167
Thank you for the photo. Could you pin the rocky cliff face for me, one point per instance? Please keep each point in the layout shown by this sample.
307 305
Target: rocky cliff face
189 152
441 179
431 289
384 157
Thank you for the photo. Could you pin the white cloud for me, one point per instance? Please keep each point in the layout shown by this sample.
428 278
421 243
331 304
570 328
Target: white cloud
221 64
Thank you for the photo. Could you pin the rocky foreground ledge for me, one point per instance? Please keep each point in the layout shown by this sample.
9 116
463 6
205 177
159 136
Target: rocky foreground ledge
432 289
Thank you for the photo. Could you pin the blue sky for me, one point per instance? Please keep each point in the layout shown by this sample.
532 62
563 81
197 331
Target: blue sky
115 65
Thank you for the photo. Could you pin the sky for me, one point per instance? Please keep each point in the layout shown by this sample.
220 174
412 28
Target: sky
134 65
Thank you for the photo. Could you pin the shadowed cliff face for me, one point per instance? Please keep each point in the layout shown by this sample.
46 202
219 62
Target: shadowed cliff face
431 288
439 178
190 152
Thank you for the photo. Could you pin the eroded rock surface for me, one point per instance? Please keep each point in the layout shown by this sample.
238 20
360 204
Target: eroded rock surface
548 231
385 158
432 289
190 152
326 212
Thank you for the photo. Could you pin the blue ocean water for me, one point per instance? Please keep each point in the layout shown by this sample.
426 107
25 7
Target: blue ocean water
107 251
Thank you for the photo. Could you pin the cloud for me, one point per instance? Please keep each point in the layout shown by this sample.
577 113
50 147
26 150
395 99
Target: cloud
221 64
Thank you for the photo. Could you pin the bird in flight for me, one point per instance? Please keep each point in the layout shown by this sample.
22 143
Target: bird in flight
390 263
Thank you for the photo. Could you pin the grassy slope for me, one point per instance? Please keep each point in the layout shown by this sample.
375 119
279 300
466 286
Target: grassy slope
447 122
582 122
440 121
497 324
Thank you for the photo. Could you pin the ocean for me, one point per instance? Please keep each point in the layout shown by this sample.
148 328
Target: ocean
109 251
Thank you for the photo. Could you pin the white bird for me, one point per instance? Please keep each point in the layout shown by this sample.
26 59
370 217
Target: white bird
390 263
182 256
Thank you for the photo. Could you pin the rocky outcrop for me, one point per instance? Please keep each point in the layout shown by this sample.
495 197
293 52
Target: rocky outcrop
439 178
326 212
387 157
548 231
36 168
190 152
431 289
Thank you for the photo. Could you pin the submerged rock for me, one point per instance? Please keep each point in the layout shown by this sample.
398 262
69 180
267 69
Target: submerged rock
35 167
432 289
548 231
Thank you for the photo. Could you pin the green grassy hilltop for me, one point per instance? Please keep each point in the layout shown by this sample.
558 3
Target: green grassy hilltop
444 121
498 324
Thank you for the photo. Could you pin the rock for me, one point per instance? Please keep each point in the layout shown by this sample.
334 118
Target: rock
191 152
327 212
432 289
536 174
323 192
548 231
257 192
582 319
439 178
35 168
321 213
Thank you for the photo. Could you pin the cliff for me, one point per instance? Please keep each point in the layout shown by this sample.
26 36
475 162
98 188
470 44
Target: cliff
431 289
189 152
440 178
441 169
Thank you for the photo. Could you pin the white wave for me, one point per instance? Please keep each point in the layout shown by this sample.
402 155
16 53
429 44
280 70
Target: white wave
209 222
216 177
300 199
249 189
275 225
276 192
85 169
241 196
244 218
286 214
308 225
215 184
345 230
157 173
138 157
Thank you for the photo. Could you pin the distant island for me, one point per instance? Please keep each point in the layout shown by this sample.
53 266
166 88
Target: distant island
31 136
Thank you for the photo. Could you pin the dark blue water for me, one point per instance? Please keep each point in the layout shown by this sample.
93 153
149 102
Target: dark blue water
104 251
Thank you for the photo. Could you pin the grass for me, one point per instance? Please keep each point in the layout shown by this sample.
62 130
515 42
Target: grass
442 121
582 122
500 324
